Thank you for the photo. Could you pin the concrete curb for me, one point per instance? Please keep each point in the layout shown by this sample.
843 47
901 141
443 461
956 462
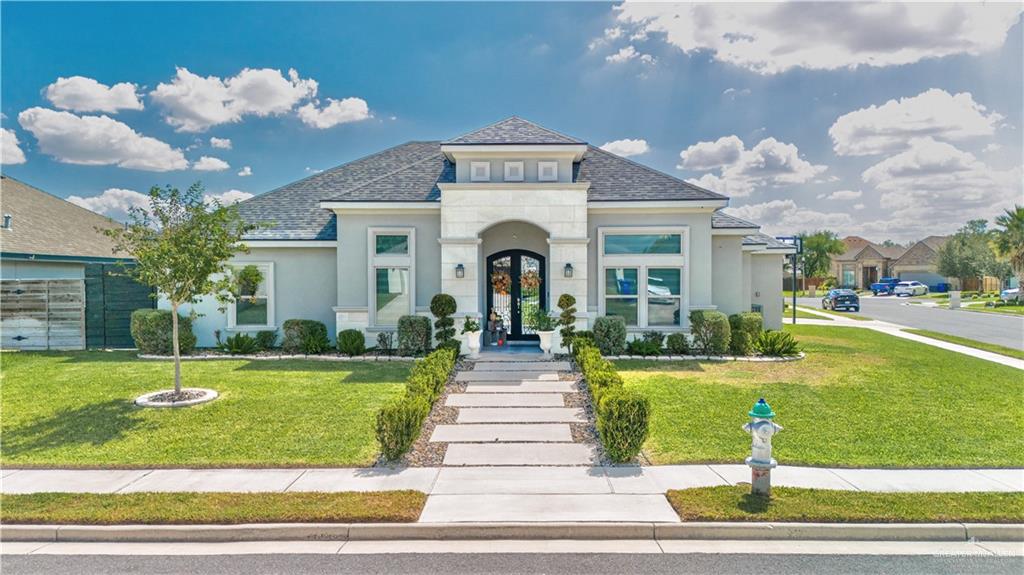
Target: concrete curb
519 531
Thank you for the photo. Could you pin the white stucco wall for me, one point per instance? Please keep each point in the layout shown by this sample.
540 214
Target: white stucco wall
727 274
766 286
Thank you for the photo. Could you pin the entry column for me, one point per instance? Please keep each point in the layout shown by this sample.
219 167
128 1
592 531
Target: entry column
461 257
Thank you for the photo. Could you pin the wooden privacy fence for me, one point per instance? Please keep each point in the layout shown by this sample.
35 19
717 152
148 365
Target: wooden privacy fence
111 297
42 314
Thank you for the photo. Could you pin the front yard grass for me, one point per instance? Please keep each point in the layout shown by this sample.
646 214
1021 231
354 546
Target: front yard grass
792 504
1004 309
74 409
860 399
1002 350
220 508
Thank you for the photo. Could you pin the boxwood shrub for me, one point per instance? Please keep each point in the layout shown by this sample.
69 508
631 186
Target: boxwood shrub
610 334
710 331
744 330
678 344
413 335
399 422
351 342
623 423
305 336
152 331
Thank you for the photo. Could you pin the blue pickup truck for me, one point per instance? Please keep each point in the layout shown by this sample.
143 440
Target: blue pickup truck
884 286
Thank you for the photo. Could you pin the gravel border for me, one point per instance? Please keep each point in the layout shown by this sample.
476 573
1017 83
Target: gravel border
206 395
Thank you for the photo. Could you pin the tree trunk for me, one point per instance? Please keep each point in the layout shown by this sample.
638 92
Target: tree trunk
177 351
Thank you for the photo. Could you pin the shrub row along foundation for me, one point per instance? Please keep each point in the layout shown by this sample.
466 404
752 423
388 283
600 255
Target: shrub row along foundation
623 416
399 422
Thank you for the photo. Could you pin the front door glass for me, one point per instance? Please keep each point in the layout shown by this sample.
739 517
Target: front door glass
515 290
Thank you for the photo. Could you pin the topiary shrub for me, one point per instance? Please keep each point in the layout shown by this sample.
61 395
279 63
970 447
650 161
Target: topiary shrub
610 334
305 336
151 329
678 344
776 344
443 306
351 342
240 344
567 319
710 331
413 335
623 422
744 329
266 339
398 425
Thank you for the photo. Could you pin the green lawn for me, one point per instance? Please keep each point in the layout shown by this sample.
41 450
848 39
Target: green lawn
1005 310
968 342
736 503
221 508
860 399
75 409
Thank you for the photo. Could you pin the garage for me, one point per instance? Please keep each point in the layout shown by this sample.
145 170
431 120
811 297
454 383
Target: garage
42 314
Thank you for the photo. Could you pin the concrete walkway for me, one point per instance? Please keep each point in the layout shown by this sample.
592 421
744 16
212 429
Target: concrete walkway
896 330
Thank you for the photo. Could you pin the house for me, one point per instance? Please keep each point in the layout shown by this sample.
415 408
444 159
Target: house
505 218
59 279
864 263
920 263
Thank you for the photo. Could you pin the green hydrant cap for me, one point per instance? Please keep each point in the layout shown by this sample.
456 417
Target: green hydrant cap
761 410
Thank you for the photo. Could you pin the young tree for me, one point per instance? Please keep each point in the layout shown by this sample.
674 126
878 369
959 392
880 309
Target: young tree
819 247
968 254
1008 241
181 245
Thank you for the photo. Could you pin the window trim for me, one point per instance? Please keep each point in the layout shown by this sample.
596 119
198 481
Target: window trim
642 262
547 164
472 171
377 261
268 278
515 164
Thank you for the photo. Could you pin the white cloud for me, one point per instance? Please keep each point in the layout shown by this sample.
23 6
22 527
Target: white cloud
609 35
229 197
784 217
98 141
770 162
245 171
312 170
934 113
81 94
210 164
194 104
626 147
733 93
844 195
11 153
220 143
113 202
623 55
336 112
773 38
993 147
858 206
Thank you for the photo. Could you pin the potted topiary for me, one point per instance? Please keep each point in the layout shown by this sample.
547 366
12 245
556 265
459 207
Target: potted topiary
471 329
544 325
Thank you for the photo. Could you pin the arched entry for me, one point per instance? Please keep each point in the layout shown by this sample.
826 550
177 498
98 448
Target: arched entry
516 286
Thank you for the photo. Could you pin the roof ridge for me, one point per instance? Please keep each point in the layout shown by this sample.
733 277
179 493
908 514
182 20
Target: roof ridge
650 169
391 173
521 119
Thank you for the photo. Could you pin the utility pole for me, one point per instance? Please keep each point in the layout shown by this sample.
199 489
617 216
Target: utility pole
796 242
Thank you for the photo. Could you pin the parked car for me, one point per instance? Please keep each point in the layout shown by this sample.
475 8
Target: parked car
841 299
884 286
910 289
1012 294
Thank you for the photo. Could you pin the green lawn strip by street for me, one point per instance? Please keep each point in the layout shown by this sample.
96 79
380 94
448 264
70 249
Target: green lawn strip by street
859 399
803 314
1004 310
792 504
220 508
843 314
75 409
1008 351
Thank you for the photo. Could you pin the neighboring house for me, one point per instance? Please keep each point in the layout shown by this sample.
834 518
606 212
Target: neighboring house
504 219
58 291
864 262
920 263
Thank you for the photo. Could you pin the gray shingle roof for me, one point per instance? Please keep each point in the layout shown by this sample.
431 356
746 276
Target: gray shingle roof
614 178
722 220
514 130
764 240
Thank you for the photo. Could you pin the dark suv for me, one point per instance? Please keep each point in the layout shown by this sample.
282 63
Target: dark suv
841 299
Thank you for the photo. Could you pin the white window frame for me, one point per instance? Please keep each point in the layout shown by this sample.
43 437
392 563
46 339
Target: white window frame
509 166
405 261
541 166
268 277
642 262
487 171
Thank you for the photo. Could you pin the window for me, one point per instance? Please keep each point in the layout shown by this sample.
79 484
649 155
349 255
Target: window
386 244
547 171
664 296
254 306
392 295
513 171
480 171
621 287
631 244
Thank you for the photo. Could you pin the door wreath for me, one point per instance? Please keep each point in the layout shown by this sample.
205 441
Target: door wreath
501 282
529 280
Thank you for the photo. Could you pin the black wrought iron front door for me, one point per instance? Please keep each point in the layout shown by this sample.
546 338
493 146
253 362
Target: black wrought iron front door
515 290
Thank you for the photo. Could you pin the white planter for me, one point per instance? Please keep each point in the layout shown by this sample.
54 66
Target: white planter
473 342
545 340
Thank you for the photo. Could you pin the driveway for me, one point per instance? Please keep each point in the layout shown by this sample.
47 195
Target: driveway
988 327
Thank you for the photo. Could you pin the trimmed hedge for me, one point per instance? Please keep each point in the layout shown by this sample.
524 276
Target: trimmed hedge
678 344
351 342
745 329
413 335
610 334
152 330
399 422
711 333
623 416
266 339
305 336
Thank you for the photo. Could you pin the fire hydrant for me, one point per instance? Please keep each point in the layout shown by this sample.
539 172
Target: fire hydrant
761 429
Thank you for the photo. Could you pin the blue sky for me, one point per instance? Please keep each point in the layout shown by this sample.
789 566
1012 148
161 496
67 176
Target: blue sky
782 107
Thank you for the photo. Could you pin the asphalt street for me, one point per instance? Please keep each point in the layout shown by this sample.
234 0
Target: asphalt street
1002 330
450 564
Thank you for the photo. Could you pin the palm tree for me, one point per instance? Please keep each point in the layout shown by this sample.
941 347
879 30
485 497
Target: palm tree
1008 240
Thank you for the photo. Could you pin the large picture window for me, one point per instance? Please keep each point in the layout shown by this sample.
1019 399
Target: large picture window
644 275
391 255
254 305
664 296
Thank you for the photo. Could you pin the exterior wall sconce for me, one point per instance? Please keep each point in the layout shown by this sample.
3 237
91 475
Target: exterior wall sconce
460 271
567 272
